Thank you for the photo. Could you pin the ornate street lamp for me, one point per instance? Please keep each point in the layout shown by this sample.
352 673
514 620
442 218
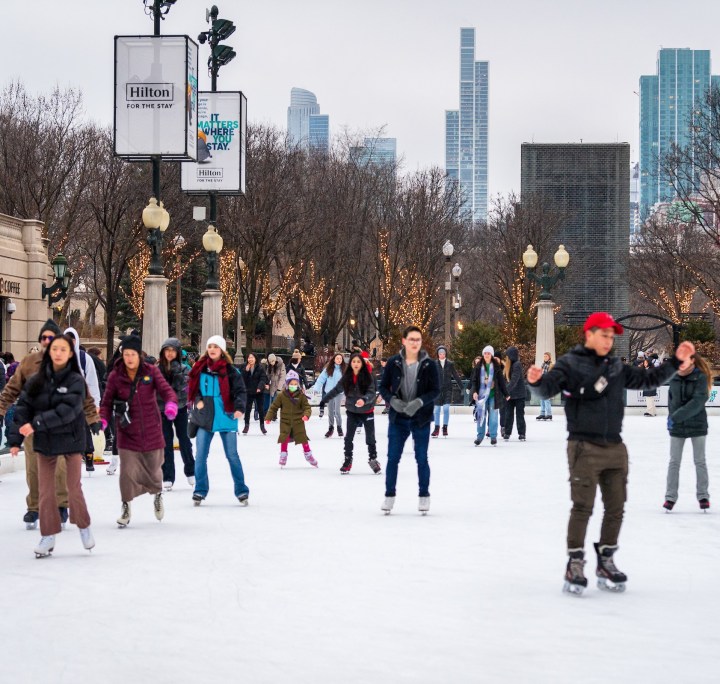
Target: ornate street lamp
58 290
179 242
448 251
212 244
156 219
546 281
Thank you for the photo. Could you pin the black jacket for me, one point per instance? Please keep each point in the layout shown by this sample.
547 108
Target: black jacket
299 370
55 411
595 413
256 380
177 378
446 376
498 383
516 384
428 386
687 416
352 394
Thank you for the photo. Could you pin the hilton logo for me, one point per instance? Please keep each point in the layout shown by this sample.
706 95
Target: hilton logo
149 92
209 173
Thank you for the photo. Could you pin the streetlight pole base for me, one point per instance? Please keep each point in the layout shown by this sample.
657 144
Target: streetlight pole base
155 314
212 315
545 338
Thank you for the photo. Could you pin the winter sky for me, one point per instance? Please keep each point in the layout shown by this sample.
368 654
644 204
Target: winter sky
560 71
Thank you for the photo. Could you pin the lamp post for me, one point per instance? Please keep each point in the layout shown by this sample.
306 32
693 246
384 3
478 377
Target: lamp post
58 290
545 335
448 250
456 273
239 332
179 242
212 297
155 311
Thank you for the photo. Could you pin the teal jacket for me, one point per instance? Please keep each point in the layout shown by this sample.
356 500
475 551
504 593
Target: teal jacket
687 416
210 387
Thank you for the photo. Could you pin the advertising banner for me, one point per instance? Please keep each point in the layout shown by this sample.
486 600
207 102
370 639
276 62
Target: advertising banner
221 144
636 398
156 91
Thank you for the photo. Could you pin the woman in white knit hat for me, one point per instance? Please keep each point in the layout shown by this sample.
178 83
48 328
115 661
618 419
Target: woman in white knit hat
217 391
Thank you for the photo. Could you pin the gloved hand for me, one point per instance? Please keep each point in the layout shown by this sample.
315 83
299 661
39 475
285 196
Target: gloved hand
669 423
413 407
306 418
104 423
96 427
398 404
171 410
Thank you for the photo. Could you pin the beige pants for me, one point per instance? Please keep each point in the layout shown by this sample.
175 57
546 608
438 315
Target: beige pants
49 514
650 405
31 476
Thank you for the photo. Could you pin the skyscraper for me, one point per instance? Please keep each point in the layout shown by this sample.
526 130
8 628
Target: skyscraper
306 126
466 131
667 101
380 151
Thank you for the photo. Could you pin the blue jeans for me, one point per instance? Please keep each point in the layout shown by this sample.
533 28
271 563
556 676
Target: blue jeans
545 407
446 415
490 419
202 445
398 432
180 423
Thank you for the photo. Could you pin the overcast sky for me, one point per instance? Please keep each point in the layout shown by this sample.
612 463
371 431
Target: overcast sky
560 70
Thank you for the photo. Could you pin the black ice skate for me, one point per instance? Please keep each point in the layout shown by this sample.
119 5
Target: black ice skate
704 505
329 433
347 465
63 516
436 431
374 465
340 431
197 499
444 430
31 520
609 577
668 505
575 580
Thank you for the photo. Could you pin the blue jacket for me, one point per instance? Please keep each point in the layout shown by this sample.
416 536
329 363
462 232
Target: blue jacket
210 387
327 382
428 386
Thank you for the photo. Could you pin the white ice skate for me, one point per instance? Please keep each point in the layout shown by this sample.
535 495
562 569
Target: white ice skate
45 546
112 468
124 519
159 507
167 486
424 504
191 480
88 541
388 504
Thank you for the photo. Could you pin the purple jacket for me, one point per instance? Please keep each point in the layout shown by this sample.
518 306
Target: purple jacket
145 430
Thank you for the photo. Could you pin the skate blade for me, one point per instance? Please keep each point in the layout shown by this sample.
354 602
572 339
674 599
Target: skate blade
607 585
197 503
122 525
30 526
44 555
424 512
574 589
386 512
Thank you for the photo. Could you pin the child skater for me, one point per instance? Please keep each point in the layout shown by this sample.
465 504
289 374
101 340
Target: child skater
295 411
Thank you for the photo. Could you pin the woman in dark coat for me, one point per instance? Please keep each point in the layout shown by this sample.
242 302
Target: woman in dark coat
256 382
446 373
687 419
50 408
131 394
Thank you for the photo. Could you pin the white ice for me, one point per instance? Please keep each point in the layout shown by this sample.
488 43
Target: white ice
312 583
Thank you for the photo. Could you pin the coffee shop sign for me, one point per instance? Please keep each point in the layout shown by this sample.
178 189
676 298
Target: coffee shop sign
9 286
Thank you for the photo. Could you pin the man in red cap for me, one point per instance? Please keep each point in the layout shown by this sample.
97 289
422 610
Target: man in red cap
593 384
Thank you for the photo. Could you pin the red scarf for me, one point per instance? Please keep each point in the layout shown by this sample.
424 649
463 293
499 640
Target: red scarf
219 368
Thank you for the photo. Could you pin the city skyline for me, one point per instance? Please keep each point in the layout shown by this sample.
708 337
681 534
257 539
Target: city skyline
554 78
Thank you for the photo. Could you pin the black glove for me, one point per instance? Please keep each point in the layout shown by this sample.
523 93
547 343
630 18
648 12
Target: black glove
95 428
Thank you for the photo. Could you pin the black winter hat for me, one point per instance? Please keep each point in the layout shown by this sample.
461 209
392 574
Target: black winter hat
49 326
132 342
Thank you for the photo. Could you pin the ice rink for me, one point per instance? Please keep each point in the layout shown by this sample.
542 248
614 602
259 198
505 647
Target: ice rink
312 583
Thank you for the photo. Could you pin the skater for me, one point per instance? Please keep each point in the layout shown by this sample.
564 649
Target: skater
326 382
446 373
217 391
256 381
546 404
410 385
51 409
687 419
176 375
488 393
358 385
295 411
515 399
131 396
276 375
649 394
594 384
295 364
28 367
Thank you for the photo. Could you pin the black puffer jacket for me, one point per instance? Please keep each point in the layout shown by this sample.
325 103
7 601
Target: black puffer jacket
54 408
595 413
516 384
687 416
255 379
352 394
446 375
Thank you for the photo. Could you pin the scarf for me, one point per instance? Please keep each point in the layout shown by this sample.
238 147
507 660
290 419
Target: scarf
219 368
486 386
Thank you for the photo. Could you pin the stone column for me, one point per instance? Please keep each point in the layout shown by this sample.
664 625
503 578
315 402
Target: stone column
155 315
212 315
545 339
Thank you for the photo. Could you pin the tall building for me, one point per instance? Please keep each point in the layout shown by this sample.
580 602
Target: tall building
634 200
380 151
589 186
466 131
306 126
667 101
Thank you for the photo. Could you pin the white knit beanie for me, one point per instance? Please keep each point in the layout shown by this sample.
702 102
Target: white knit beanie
489 349
219 340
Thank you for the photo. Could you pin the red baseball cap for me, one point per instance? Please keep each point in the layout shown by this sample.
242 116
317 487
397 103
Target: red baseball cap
602 319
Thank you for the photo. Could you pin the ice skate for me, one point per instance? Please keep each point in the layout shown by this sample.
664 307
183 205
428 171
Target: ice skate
478 441
158 507
347 464
575 580
197 499
330 431
704 505
609 577
311 459
436 431
63 516
167 486
321 411
340 431
668 505
45 546
493 441
112 468
444 431
374 465
244 499
283 459
191 480
89 463
86 535
424 504
387 505
124 519
31 520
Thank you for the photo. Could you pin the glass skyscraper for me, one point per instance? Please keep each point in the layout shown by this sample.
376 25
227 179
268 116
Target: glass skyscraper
466 131
380 151
306 126
667 101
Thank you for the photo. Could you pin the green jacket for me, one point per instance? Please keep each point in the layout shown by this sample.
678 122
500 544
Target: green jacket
292 409
686 407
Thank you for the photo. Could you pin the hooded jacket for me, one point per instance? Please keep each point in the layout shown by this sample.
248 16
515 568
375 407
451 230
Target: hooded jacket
688 394
87 367
176 374
499 389
292 406
446 374
516 383
352 394
428 386
276 375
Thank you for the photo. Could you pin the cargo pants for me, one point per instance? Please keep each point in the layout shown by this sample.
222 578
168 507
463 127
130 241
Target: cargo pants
592 465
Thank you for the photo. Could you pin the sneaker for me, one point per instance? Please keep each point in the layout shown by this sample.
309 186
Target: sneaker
244 499
89 463
374 465
330 431
167 486
347 465
283 458
387 505
31 520
124 519
444 430
424 504
246 429
191 480
159 507
668 505
311 459
436 431
704 504
340 431
45 546
86 535
63 516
